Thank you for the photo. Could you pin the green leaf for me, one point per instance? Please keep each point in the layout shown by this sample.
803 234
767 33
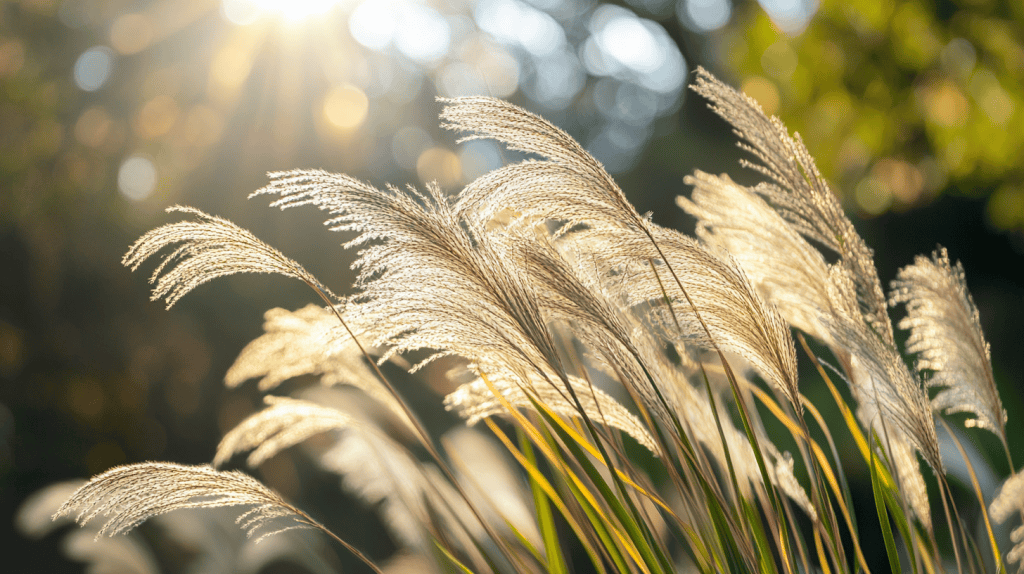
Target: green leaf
766 564
552 549
883 516
451 558
637 531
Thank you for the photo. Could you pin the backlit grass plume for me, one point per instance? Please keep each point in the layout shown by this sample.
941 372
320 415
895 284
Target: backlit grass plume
945 333
207 248
126 496
641 385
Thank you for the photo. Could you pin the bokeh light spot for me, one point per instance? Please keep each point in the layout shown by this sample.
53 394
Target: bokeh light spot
704 15
131 33
512 22
12 58
203 126
136 179
558 79
93 127
872 197
618 145
991 97
945 104
959 57
460 79
422 34
629 48
790 15
764 91
954 154
440 165
230 67
157 117
904 180
93 68
500 71
346 107
479 157
373 24
240 12
626 39
1006 208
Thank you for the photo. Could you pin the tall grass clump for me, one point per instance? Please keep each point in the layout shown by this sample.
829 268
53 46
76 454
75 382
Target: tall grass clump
641 384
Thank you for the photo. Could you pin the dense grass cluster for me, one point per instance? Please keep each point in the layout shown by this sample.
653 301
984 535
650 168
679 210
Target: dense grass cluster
624 369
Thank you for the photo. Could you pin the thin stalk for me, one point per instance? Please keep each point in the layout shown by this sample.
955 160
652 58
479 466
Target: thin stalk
949 520
315 524
733 482
420 429
769 488
998 560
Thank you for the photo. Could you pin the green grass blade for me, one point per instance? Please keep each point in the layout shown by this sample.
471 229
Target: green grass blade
637 531
895 507
725 443
552 549
765 562
997 556
883 516
542 482
597 520
452 559
778 519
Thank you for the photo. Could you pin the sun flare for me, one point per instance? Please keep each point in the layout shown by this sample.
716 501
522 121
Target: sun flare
247 11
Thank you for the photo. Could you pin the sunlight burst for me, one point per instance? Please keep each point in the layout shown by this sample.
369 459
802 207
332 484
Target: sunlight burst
247 11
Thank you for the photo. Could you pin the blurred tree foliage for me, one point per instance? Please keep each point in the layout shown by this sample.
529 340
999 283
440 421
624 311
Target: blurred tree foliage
898 101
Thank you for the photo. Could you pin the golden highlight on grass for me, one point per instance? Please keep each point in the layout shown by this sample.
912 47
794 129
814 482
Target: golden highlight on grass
589 330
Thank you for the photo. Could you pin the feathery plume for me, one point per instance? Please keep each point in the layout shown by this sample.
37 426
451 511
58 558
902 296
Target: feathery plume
798 191
696 412
737 318
783 476
821 300
284 423
210 247
415 499
379 471
309 341
532 263
429 283
1010 502
908 470
570 295
474 401
781 264
571 186
889 398
841 304
129 495
945 332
